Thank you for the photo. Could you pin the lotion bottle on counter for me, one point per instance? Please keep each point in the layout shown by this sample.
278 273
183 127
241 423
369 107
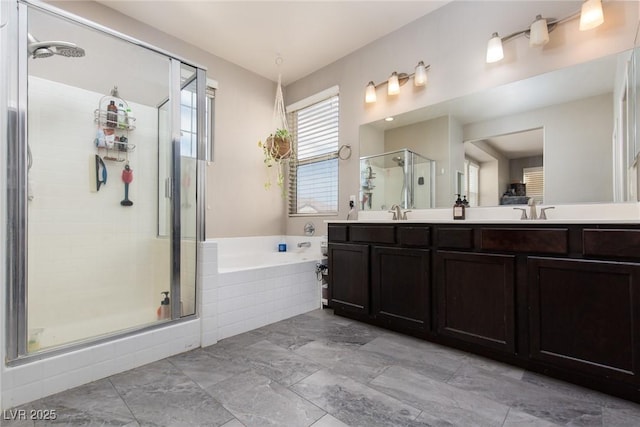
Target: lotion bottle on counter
458 209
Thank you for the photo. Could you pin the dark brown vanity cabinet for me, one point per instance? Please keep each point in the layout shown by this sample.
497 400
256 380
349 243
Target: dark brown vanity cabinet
400 280
476 298
561 299
585 316
349 278
380 274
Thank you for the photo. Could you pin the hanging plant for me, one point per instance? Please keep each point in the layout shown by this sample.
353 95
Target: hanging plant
276 150
277 147
279 144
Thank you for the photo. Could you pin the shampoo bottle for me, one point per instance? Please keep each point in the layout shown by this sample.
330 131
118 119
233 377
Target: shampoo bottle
112 115
164 311
122 116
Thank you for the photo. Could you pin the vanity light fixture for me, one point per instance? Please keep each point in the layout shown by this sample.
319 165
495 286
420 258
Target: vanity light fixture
591 16
396 80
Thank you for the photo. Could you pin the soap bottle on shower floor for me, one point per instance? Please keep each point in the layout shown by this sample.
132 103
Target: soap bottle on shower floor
164 311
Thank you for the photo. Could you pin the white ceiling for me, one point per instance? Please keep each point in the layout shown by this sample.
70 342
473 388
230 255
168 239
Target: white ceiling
308 35
516 145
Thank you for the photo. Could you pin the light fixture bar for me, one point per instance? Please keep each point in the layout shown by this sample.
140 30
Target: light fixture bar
584 14
396 80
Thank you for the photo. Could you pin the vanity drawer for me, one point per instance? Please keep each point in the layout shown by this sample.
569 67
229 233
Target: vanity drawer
611 243
548 240
414 236
338 233
372 234
457 238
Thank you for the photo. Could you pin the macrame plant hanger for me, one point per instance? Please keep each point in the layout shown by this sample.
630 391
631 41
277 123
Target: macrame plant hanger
278 147
279 121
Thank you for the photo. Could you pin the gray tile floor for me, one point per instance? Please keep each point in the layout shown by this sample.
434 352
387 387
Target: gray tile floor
322 370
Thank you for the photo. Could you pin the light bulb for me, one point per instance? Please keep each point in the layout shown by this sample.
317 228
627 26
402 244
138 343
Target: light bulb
494 49
539 32
370 94
393 85
420 76
591 15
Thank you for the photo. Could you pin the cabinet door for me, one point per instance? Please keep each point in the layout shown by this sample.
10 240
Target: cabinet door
400 288
349 278
476 298
585 315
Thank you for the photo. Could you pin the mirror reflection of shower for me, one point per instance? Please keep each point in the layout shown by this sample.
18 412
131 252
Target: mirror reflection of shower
46 49
399 177
404 194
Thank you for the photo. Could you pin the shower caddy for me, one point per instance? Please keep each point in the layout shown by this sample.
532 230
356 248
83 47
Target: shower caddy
115 125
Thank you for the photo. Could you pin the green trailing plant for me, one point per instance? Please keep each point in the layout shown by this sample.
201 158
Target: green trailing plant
277 150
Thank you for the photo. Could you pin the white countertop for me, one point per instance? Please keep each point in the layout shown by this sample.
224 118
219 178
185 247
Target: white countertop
593 213
485 221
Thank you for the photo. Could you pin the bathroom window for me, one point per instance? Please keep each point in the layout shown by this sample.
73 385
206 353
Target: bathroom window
188 124
313 173
472 182
534 179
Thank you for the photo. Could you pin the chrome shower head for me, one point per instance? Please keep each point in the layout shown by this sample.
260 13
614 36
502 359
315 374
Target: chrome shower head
38 49
41 52
399 160
70 52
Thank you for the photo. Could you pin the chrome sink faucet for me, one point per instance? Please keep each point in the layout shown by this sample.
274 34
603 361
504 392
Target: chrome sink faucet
398 213
532 211
304 244
543 215
524 212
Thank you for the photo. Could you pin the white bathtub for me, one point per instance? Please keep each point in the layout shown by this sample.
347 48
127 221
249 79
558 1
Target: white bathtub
256 285
228 263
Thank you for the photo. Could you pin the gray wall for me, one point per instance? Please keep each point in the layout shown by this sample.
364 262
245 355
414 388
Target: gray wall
453 40
578 162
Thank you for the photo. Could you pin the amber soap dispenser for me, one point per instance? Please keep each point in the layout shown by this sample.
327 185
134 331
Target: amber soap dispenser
458 209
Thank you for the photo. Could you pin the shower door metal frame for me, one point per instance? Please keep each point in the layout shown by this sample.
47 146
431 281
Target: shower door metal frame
16 185
16 331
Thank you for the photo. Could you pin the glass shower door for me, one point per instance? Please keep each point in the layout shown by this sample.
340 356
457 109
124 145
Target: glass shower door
89 136
178 171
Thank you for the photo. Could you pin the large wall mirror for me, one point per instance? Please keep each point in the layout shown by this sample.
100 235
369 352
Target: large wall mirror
567 136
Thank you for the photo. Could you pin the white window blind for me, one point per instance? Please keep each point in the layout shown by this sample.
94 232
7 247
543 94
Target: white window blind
313 172
472 182
534 179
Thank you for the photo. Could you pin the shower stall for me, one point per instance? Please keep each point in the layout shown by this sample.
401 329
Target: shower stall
402 178
104 139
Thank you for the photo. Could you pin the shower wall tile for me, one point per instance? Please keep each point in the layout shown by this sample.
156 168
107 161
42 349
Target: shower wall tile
85 249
